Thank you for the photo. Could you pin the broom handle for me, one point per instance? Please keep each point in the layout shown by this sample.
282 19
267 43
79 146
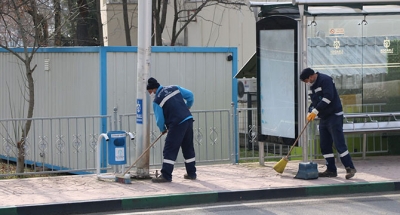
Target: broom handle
298 137
151 145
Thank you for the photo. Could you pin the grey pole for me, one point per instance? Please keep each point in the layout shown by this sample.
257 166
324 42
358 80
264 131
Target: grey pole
302 59
143 101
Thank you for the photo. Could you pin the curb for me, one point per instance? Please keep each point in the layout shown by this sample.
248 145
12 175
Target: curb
197 198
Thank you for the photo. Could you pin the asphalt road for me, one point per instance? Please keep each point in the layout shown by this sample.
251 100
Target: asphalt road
365 204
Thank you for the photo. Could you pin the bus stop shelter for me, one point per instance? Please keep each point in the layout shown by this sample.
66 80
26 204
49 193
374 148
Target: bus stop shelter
356 42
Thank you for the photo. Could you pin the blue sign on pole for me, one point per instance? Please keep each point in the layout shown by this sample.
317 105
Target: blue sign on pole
139 111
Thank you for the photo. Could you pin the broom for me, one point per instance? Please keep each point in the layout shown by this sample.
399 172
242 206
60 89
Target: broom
125 178
280 166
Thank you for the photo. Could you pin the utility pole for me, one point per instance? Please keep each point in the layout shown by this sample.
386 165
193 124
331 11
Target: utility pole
143 100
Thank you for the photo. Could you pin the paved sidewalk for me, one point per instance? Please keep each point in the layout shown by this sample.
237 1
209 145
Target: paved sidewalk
215 183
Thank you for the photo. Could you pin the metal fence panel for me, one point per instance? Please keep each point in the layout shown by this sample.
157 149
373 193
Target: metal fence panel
212 137
58 144
374 140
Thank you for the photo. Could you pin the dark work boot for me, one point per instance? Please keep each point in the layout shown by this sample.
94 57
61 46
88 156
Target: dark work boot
186 176
159 179
327 173
350 172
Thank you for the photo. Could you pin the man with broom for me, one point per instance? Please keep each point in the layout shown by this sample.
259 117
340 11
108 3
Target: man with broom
325 103
172 114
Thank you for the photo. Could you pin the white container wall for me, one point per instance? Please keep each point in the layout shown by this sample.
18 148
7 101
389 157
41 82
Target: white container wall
68 86
70 83
208 75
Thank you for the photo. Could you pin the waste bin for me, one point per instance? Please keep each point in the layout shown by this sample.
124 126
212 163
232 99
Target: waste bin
117 147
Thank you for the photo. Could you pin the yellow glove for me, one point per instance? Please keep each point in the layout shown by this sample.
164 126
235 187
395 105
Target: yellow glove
311 116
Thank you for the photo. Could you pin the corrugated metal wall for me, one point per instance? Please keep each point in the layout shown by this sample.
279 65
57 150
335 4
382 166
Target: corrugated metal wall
208 75
69 88
71 85
67 83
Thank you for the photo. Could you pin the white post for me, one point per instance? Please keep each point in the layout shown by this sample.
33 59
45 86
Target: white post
98 150
261 153
143 73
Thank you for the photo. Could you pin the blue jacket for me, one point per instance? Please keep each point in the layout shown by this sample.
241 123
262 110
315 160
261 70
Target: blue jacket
170 108
324 97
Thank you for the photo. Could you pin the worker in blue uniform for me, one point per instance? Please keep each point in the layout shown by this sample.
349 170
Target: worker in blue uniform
326 104
171 106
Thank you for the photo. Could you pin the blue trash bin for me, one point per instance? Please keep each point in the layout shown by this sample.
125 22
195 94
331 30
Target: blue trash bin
116 147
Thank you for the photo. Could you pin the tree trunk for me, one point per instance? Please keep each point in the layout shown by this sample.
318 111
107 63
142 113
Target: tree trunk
99 24
27 126
126 23
175 32
40 38
57 23
159 17
82 33
21 156
154 21
72 21
174 24
40 23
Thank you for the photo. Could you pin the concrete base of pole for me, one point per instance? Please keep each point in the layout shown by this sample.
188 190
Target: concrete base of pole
141 173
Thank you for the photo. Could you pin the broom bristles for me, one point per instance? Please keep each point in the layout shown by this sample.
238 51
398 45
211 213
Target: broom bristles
124 179
280 166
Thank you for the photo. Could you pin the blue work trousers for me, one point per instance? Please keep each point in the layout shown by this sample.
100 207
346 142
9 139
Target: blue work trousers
331 131
179 136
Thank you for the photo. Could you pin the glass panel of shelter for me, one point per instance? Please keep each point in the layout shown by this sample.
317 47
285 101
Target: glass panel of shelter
381 77
382 71
361 54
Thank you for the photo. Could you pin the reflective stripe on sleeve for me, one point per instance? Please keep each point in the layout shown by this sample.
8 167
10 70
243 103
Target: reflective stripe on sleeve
326 100
168 97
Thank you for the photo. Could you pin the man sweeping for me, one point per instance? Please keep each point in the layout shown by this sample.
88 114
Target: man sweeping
172 114
325 103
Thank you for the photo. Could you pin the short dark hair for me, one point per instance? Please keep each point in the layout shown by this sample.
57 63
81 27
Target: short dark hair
306 73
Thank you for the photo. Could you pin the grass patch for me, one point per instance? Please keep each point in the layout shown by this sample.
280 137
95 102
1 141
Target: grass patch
248 156
8 171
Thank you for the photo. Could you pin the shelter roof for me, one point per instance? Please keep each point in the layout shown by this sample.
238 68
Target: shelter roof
329 7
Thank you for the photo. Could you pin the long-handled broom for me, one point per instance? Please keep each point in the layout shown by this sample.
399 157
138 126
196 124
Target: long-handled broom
125 178
280 166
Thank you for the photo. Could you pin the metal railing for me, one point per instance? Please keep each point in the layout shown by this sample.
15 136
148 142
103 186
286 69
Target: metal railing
53 145
57 145
69 144
211 136
250 148
365 133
